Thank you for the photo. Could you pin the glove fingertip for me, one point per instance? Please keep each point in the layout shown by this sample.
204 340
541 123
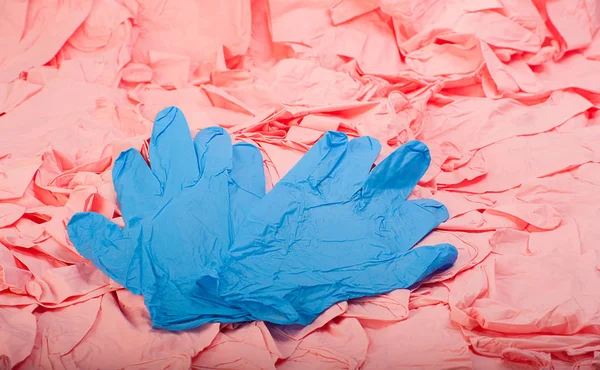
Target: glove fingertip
82 230
414 151
207 135
167 115
213 150
165 119
247 168
366 142
448 254
241 150
434 207
79 221
123 160
77 229
212 130
335 138
247 157
417 146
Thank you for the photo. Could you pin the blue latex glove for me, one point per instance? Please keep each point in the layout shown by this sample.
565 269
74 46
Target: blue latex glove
333 230
180 219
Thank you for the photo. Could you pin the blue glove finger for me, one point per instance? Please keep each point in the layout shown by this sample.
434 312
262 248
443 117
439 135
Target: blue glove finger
305 290
172 155
396 176
248 182
351 171
396 271
320 160
412 221
400 270
137 188
180 307
213 151
314 167
248 169
437 258
104 243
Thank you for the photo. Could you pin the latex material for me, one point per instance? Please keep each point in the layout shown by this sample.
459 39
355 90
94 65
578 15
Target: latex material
180 217
331 231
510 130
323 234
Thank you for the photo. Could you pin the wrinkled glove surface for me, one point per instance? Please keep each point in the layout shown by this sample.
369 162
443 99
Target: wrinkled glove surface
333 230
180 218
329 231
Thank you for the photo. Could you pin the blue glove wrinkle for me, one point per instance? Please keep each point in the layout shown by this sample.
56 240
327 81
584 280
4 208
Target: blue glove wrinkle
299 250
